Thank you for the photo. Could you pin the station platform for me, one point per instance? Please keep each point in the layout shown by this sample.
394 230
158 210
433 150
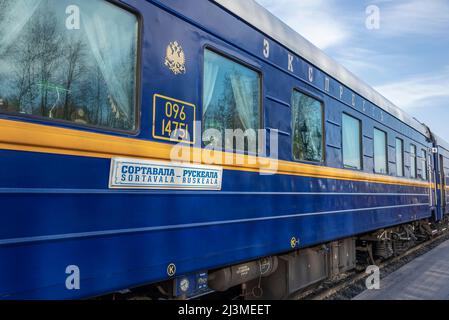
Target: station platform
424 278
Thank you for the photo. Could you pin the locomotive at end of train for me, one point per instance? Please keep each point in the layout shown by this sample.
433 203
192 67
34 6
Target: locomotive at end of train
171 149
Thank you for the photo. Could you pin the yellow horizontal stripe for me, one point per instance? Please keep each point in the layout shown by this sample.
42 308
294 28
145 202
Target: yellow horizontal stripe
22 136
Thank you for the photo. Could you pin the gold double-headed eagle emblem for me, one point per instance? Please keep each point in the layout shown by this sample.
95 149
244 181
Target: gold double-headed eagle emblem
175 58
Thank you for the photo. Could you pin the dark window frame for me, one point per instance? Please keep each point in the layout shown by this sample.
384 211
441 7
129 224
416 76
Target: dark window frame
323 125
138 89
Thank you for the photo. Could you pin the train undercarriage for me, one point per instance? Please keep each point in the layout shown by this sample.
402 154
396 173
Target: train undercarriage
280 277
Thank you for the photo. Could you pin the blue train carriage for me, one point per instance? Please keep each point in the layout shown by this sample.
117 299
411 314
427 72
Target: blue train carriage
96 95
441 151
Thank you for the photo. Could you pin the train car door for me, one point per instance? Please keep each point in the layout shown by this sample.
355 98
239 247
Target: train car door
436 200
432 181
442 185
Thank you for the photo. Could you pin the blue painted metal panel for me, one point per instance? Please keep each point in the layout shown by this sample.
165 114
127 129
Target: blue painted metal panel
59 214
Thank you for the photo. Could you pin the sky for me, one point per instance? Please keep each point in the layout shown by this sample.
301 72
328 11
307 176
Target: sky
405 56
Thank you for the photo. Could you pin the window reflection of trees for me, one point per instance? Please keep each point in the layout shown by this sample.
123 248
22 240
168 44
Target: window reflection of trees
234 101
50 71
307 128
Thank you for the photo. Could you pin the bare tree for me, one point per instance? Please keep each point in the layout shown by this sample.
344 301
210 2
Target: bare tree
73 55
4 4
25 75
45 36
94 88
4 22
126 74
22 55
99 85
35 55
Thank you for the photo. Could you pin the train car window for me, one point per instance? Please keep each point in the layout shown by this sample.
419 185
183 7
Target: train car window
380 152
78 66
412 161
352 146
399 157
307 125
424 164
231 101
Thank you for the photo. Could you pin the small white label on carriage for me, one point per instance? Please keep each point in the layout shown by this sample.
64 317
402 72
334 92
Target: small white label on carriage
143 174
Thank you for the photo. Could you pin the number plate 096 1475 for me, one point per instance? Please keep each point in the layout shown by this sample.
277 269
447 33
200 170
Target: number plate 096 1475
173 120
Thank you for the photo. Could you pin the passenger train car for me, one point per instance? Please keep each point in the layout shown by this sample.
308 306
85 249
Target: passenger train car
117 172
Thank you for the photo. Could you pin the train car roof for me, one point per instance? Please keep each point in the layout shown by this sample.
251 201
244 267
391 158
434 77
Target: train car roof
260 18
441 142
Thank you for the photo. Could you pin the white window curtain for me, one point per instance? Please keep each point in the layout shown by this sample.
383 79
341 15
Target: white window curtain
244 100
16 15
307 127
315 138
110 42
211 70
312 118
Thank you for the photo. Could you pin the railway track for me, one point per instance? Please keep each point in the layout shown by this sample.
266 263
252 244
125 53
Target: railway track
351 284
